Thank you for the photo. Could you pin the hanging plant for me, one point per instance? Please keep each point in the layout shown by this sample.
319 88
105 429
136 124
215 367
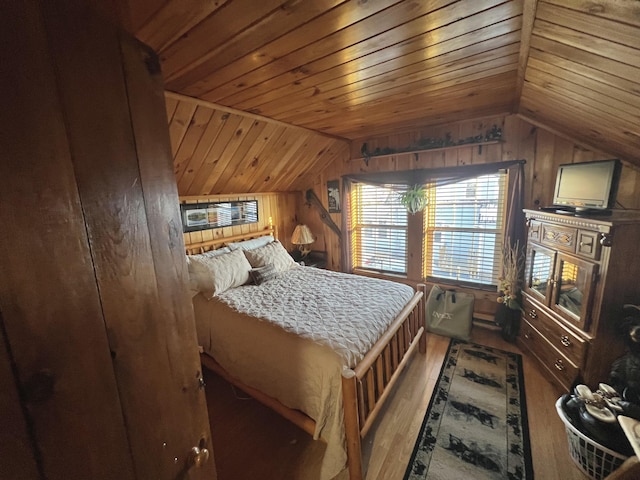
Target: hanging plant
414 199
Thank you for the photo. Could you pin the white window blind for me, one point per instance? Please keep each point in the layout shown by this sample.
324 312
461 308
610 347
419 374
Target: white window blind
464 227
379 229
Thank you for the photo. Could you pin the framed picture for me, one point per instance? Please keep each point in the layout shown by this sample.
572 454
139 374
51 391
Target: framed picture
333 193
203 216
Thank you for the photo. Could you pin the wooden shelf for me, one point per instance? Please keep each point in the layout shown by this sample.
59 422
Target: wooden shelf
451 147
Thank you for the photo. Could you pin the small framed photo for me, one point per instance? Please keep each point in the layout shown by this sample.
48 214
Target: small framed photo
333 194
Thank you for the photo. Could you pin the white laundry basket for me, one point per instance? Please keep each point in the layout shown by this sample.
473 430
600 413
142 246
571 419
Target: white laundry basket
595 460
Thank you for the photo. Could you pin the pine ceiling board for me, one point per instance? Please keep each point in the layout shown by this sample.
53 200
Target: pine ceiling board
275 147
170 105
281 155
179 124
622 11
206 143
592 128
253 158
192 137
416 49
610 118
211 33
433 78
279 169
299 34
435 103
139 11
371 66
613 99
589 24
386 28
605 78
338 150
383 105
174 19
227 131
255 130
415 84
587 42
448 103
228 154
301 161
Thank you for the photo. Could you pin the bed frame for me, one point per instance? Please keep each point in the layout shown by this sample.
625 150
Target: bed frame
366 387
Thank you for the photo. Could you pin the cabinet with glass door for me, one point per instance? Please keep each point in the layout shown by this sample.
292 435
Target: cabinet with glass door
578 276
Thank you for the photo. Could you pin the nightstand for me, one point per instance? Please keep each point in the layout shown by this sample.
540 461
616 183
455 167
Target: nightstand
315 259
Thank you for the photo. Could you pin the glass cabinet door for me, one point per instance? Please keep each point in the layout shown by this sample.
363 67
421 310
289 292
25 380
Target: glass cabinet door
539 274
573 283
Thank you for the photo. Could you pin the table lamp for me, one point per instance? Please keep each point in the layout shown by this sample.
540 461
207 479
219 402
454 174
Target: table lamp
302 237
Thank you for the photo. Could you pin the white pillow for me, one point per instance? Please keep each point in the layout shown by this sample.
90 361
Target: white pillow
273 253
195 272
251 244
213 275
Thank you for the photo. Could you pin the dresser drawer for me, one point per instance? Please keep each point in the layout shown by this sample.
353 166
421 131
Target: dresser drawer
568 343
559 237
588 244
559 366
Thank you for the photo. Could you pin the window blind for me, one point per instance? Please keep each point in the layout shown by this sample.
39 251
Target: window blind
379 229
464 227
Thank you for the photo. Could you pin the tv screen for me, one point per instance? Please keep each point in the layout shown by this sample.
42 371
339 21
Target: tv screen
587 186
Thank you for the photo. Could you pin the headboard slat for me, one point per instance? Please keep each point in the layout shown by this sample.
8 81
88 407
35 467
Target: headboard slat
201 247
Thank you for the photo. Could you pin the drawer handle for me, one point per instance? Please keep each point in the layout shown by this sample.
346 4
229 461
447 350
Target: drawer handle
533 313
564 340
559 365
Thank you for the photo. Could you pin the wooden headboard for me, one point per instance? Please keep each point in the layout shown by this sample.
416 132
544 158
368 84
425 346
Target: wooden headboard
214 244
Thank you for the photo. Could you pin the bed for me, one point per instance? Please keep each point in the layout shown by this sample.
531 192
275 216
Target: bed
263 337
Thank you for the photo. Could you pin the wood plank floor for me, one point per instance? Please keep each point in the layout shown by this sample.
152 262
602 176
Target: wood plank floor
250 441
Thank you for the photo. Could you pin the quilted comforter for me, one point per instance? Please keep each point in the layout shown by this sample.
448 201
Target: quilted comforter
292 336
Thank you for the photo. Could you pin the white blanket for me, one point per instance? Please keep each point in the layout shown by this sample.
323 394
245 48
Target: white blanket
292 336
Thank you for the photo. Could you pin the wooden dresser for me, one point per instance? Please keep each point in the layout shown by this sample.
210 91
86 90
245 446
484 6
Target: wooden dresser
580 271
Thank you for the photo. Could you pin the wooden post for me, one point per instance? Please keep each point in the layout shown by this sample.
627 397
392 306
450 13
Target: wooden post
422 321
352 424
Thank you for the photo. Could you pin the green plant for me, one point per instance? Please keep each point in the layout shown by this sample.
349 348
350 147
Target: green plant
414 199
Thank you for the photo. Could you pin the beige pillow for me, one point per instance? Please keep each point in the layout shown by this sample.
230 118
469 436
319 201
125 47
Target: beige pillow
213 275
273 253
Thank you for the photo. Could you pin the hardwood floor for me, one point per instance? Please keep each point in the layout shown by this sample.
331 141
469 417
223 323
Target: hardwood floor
251 441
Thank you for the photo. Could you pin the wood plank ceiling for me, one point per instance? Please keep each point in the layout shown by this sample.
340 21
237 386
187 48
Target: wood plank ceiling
351 69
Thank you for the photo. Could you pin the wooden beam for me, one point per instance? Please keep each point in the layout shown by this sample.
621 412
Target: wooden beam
528 16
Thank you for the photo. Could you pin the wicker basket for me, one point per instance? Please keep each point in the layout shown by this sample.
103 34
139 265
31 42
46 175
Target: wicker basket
595 460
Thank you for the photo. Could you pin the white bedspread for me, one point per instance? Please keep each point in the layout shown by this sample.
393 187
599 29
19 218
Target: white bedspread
292 336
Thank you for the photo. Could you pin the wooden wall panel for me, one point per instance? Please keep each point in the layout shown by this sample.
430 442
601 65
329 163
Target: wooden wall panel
543 150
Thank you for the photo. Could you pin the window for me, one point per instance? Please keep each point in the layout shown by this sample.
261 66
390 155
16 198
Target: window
464 229
379 229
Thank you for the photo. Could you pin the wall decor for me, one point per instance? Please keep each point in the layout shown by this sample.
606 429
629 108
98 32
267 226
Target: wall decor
333 194
202 216
494 134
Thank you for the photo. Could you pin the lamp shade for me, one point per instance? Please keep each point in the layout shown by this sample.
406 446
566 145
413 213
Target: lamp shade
302 235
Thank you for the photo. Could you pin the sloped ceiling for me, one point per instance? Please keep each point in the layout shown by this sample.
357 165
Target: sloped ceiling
356 68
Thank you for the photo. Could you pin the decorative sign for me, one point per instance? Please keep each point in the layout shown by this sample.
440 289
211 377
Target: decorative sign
333 193
203 216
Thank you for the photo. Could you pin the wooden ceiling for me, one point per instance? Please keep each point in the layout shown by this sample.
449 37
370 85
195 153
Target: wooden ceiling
352 69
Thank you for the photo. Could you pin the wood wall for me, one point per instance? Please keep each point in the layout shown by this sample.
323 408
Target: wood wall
280 207
542 149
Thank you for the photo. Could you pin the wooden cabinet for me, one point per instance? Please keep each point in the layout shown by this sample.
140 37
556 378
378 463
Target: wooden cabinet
579 273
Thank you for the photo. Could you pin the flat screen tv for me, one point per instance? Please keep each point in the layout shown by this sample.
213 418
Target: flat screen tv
588 186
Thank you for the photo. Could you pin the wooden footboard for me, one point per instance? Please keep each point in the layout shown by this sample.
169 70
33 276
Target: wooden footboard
366 387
